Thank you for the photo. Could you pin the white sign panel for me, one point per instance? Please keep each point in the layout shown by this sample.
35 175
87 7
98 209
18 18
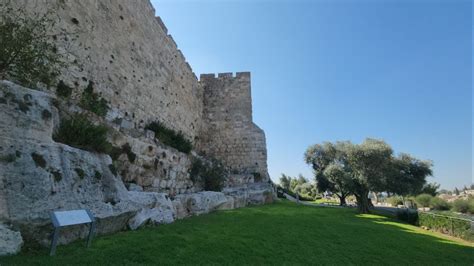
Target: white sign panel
65 218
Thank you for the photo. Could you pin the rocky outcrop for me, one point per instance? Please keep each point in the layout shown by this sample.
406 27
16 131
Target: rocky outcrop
10 241
38 176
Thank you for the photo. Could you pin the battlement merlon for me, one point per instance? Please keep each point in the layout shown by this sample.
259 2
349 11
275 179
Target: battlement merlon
225 75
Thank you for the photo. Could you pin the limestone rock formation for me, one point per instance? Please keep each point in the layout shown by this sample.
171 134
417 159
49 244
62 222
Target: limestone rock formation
10 241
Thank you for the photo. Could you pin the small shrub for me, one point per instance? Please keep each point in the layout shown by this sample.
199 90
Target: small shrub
63 90
46 115
80 173
23 106
461 205
97 175
439 204
211 174
38 159
130 154
93 102
257 177
170 137
9 158
408 215
79 132
471 205
115 152
56 175
423 200
395 201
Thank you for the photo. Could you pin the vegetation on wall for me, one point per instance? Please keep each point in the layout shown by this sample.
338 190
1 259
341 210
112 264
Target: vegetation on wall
115 152
93 102
79 132
63 90
257 177
211 174
26 54
170 137
38 159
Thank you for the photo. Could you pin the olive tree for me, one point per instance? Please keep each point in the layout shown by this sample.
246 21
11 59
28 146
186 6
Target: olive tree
345 168
407 176
331 168
369 162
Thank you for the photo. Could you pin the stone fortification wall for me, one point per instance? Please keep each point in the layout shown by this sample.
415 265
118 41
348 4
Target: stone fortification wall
136 66
229 133
126 51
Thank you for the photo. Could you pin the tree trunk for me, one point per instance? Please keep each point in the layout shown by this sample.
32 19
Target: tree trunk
342 200
363 202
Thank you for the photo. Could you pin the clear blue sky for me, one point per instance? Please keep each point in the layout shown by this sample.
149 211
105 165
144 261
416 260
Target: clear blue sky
332 70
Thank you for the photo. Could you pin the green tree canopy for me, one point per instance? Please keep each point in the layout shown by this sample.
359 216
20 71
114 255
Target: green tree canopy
346 168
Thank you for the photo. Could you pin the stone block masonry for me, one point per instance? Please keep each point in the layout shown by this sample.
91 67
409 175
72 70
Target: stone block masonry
229 133
136 65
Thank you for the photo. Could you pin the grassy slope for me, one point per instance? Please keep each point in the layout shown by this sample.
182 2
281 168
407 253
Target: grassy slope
282 233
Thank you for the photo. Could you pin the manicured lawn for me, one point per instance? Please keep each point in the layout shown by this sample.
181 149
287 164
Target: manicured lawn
282 233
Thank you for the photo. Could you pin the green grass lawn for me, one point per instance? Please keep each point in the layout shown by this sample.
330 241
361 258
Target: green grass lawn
281 233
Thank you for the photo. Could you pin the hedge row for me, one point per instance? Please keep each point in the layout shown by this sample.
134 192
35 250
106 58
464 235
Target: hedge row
448 225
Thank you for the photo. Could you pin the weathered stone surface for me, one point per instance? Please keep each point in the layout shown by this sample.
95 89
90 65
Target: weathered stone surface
199 203
162 214
251 194
40 176
10 241
228 205
155 167
229 133
135 187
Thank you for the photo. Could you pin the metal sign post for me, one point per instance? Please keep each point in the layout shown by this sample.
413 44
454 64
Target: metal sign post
66 218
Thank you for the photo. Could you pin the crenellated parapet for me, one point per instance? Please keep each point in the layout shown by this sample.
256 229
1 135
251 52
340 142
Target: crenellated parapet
225 75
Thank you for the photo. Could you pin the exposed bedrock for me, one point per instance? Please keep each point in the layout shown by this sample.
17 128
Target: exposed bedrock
38 175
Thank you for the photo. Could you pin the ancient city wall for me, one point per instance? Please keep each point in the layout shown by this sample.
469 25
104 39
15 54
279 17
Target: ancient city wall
135 65
126 51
